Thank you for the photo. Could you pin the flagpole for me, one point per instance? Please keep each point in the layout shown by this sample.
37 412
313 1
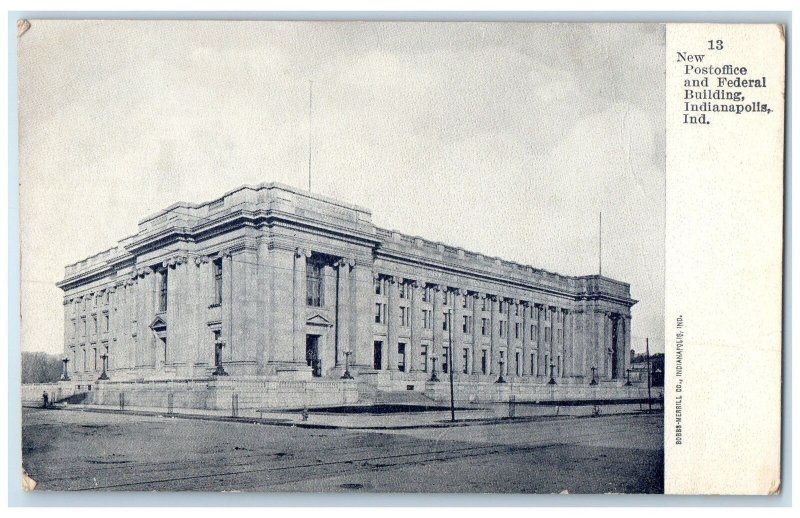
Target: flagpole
310 105
600 248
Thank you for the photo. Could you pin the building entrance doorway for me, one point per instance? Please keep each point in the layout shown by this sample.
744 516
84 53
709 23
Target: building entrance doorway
377 355
313 358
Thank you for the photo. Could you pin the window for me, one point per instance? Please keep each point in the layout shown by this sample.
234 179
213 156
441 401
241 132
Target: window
547 334
533 332
378 313
378 286
105 322
314 291
94 326
445 360
402 289
465 363
217 269
74 329
404 316
517 364
516 329
162 290
502 306
483 361
485 306
424 354
533 364
445 297
444 322
108 298
467 327
465 301
502 327
516 310
426 297
83 326
426 319
484 326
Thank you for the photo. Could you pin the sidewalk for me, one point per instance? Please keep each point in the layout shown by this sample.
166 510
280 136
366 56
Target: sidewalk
349 421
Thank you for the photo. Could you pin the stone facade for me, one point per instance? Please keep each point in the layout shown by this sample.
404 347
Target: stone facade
276 283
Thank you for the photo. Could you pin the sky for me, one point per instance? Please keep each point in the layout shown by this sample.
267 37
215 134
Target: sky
506 139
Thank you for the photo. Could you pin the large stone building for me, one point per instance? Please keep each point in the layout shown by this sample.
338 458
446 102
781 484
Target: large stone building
273 283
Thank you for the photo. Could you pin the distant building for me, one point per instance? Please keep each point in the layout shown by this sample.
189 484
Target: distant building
275 283
639 368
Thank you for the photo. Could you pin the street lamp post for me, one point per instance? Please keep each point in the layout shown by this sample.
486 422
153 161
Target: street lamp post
65 374
450 363
552 378
594 380
628 382
220 370
103 375
500 379
347 375
433 369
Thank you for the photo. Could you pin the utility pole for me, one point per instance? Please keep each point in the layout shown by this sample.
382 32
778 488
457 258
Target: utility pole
600 247
450 363
647 349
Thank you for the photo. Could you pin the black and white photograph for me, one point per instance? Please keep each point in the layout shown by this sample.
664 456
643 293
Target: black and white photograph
342 257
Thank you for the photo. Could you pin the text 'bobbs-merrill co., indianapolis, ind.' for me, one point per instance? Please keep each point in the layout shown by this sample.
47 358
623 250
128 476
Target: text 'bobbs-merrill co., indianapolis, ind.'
679 384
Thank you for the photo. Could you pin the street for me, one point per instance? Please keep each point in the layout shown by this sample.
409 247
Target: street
77 450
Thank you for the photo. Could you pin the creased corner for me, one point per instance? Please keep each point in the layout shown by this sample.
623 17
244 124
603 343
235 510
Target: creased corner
775 488
782 29
28 484
22 27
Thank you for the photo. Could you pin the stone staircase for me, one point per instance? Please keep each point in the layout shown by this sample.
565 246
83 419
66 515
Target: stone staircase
409 397
370 395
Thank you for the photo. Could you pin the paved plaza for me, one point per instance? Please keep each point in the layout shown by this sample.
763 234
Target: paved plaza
83 450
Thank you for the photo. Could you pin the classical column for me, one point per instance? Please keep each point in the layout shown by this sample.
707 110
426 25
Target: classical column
553 348
626 342
456 348
569 350
413 315
511 346
227 293
392 316
526 338
437 324
299 305
494 347
342 309
600 344
477 337
540 344
565 349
